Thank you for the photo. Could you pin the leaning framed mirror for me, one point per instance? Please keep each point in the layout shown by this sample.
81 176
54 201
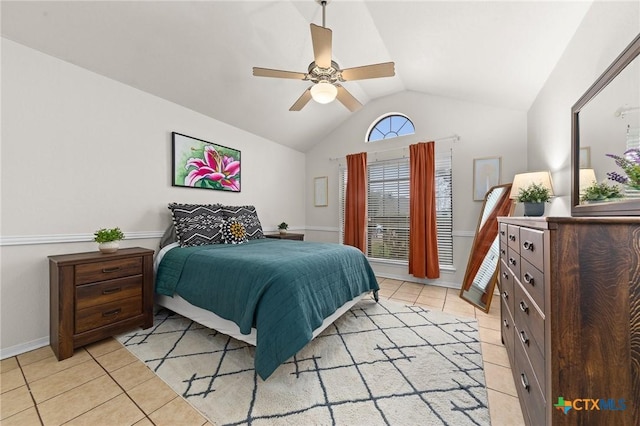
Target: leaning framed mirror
481 274
605 141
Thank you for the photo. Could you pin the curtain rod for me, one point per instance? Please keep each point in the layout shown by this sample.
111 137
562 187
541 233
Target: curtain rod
454 137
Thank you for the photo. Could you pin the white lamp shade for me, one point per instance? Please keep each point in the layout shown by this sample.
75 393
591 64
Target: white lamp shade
523 180
586 178
323 92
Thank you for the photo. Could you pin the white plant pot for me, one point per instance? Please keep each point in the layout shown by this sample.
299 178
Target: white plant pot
109 246
283 231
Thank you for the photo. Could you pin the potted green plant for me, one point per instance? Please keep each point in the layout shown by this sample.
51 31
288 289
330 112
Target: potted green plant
108 239
283 227
600 192
534 196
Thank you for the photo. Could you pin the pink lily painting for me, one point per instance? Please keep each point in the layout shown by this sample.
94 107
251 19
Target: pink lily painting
201 164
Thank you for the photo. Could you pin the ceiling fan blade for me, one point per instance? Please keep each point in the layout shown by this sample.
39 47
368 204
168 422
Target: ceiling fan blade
321 38
266 72
302 100
386 69
347 99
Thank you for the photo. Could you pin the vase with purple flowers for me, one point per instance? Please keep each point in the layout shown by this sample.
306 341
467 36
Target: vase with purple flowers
629 162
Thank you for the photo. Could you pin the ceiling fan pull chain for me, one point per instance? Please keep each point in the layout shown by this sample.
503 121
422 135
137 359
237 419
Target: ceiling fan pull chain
324 4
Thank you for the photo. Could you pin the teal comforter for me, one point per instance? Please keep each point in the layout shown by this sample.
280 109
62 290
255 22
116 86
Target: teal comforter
283 288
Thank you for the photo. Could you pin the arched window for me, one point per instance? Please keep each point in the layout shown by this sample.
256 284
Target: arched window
390 126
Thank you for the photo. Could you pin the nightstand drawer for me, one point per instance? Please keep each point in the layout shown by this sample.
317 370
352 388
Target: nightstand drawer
89 295
107 270
108 313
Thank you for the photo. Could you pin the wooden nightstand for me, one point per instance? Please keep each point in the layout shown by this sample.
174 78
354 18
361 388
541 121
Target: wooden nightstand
95 295
287 236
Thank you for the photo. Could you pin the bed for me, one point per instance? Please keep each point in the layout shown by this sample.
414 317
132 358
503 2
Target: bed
274 294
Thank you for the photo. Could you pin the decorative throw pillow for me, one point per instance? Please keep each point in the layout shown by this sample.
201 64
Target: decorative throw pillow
197 224
233 232
248 217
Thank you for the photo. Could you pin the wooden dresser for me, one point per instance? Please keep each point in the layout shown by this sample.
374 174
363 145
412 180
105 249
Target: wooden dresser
287 236
95 295
570 290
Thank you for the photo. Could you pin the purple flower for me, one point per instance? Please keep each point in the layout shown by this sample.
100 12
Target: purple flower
629 162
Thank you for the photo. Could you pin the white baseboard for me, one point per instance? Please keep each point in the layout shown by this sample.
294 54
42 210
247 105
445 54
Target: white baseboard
24 347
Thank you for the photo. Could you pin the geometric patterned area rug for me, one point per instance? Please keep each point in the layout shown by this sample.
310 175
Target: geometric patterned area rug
380 363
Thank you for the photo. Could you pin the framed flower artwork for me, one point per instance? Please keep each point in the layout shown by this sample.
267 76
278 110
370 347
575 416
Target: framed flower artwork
206 165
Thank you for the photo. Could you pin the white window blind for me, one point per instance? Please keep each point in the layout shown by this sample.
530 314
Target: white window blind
388 209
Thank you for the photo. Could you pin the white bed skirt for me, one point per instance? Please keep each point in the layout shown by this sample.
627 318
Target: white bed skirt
210 320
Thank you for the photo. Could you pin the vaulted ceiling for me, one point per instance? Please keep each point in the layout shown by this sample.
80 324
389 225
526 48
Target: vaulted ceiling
200 54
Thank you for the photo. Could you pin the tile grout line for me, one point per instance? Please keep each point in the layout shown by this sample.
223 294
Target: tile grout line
120 386
35 405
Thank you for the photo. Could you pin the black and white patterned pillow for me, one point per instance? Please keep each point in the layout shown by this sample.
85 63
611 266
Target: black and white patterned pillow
248 217
233 232
197 224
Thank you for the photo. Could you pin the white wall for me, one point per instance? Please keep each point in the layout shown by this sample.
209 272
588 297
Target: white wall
81 152
484 132
607 28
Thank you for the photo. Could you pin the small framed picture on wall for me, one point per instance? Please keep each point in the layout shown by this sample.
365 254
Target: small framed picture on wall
486 174
320 186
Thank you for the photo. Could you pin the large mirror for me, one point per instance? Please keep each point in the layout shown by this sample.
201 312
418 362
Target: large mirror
481 275
606 121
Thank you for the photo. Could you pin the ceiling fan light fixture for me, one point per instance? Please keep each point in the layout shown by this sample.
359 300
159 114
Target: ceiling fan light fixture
324 92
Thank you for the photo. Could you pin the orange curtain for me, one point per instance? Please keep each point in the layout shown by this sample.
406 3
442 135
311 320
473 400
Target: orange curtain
355 209
423 239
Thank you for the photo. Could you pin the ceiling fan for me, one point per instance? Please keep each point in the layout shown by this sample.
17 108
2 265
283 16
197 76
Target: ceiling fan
325 74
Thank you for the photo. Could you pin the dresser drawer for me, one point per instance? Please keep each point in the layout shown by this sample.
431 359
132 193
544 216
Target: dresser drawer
504 248
108 291
523 334
107 270
513 261
507 330
503 234
108 313
532 247
507 283
531 396
526 314
513 237
533 281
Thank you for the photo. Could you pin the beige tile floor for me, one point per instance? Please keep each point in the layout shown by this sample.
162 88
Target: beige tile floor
103 384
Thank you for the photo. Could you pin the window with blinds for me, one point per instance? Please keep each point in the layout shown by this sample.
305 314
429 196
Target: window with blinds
388 209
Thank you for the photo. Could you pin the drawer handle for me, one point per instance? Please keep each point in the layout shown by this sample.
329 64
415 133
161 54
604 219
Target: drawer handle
524 338
527 245
524 381
506 323
528 278
505 275
111 290
502 233
111 313
108 270
503 251
505 295
512 237
512 261
523 307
